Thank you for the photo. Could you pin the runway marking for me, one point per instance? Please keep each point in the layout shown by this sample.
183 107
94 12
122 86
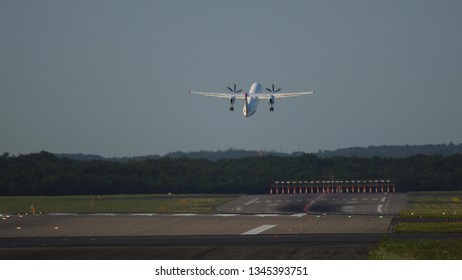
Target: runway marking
184 214
307 207
142 214
225 215
383 199
258 230
379 208
299 215
267 215
103 214
252 201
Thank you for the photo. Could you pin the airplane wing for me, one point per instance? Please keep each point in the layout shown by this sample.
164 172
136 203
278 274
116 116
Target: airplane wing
283 94
219 94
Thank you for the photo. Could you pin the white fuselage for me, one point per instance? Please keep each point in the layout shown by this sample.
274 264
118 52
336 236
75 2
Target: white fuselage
251 101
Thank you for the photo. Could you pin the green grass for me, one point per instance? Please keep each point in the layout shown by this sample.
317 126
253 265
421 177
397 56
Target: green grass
439 205
433 205
442 227
112 204
417 250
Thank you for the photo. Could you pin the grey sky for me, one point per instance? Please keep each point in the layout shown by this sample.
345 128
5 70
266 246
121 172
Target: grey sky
111 77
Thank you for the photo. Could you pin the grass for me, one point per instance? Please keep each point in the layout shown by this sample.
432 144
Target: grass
438 205
112 204
442 227
445 205
417 250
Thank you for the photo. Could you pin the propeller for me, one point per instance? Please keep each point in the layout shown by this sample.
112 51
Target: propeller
272 89
233 90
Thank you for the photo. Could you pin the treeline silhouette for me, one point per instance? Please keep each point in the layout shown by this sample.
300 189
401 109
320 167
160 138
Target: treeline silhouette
395 151
45 174
387 151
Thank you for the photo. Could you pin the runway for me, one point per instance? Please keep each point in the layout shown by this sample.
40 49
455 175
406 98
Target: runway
357 203
250 227
188 225
317 246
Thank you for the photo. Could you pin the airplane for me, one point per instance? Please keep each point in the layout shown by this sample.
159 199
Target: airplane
252 97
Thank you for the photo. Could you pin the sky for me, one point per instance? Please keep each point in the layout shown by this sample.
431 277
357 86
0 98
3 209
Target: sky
112 77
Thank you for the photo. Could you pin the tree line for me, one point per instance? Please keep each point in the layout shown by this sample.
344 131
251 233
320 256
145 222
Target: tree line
45 174
387 151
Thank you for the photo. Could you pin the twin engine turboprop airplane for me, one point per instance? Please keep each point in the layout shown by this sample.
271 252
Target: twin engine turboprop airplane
252 97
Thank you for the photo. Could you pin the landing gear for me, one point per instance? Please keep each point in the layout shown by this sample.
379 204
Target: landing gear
271 100
231 102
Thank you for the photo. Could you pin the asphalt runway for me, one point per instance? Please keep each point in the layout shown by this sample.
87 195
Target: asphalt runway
346 203
315 246
329 226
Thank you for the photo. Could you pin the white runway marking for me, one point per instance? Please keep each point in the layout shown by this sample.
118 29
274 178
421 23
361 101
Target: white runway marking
184 214
225 215
299 215
379 208
102 214
383 199
258 230
142 214
267 215
252 201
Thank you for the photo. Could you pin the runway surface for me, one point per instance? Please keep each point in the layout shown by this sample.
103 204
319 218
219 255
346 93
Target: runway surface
353 203
329 226
188 224
324 246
